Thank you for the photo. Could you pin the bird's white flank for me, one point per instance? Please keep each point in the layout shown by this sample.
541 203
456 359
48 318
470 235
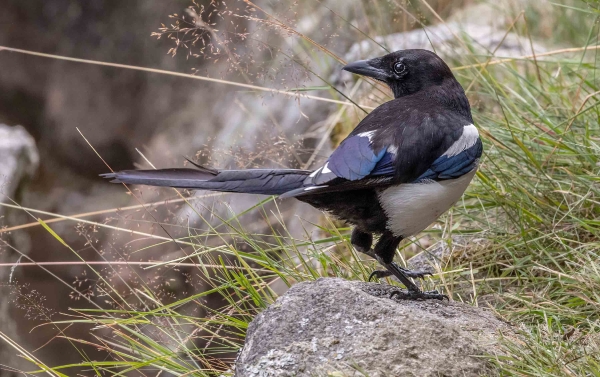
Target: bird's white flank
412 207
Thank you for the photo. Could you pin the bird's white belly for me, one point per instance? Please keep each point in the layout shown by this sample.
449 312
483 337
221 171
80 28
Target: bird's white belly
412 207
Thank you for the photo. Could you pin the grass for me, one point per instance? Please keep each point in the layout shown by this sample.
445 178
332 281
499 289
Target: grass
535 201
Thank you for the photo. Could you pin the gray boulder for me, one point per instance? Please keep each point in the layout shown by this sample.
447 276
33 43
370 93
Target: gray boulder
19 157
18 162
334 327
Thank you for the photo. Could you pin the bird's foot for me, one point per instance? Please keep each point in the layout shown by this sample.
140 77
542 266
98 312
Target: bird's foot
380 274
413 292
418 295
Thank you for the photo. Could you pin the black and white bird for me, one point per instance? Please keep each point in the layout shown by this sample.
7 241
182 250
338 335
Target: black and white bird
404 165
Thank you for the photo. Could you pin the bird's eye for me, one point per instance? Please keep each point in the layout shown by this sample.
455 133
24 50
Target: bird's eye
399 68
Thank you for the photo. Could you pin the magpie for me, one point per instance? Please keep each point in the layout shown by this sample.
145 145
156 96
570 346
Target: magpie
405 164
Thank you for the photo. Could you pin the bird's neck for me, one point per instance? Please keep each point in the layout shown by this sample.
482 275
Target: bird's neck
448 93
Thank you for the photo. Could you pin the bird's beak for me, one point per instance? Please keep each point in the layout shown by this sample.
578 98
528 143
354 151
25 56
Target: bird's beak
369 68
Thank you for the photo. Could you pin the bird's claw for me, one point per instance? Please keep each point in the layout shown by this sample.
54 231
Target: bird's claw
418 295
416 273
379 274
402 274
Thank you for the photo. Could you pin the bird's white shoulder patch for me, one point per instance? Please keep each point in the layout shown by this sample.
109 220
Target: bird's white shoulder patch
467 140
368 134
326 169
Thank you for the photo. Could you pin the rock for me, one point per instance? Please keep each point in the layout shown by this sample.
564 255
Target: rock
19 157
19 160
444 37
474 30
349 328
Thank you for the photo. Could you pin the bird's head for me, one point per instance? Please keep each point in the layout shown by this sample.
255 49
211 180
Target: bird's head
406 71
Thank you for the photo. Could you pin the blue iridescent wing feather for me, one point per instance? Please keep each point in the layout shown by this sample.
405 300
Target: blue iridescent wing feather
353 160
451 167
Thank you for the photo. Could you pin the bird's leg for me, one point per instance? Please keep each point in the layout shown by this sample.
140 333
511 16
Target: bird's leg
384 253
362 241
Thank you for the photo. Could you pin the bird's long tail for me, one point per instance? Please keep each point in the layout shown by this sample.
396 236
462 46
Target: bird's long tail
251 181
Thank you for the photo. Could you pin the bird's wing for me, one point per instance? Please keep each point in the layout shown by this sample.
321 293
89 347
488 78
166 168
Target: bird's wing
398 148
451 166
355 159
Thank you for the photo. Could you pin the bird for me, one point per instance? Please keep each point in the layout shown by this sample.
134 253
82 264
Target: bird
404 165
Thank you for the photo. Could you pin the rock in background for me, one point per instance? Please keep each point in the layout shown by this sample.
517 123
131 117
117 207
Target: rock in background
334 327
19 161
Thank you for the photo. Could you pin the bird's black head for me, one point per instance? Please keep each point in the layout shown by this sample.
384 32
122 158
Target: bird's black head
406 71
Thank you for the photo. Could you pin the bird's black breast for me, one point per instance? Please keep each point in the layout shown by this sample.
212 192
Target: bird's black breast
360 208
